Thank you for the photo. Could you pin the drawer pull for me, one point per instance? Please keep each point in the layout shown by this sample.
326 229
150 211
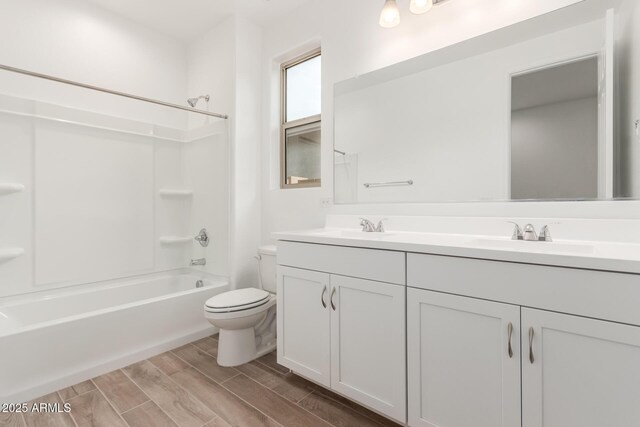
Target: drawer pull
509 334
531 358
333 306
324 291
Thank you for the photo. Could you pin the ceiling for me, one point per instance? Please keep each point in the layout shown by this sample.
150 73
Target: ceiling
187 19
567 82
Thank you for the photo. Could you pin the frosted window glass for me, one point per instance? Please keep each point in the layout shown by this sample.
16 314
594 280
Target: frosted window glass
303 89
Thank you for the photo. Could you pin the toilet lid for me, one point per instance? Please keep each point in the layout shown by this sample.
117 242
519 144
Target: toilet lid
240 299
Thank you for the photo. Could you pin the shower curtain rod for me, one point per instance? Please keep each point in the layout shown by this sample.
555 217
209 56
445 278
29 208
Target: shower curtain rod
112 92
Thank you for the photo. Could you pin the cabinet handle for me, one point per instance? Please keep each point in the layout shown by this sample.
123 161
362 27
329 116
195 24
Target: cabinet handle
333 306
531 358
324 291
510 333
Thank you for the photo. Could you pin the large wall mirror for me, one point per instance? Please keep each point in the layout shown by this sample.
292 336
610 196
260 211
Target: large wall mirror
546 109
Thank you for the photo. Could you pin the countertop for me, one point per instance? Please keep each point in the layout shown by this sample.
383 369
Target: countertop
593 255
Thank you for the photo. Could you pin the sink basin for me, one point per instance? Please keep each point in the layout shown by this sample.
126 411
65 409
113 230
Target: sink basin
540 247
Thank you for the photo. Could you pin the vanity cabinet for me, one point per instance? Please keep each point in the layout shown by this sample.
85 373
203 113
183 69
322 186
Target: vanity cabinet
345 333
463 361
583 372
303 321
368 355
567 370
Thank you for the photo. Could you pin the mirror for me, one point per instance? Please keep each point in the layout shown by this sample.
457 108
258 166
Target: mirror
554 132
540 110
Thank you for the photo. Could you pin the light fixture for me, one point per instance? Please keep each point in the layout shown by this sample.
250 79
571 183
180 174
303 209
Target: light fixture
420 6
390 15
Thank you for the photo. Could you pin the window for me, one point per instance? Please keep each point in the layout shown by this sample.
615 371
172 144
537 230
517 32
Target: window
300 122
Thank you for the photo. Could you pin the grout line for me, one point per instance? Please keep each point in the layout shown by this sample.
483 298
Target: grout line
77 395
269 367
304 397
215 414
249 404
145 393
229 379
363 413
137 406
110 404
194 367
287 400
73 420
226 388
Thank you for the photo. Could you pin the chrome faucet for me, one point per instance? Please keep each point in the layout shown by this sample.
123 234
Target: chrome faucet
529 233
370 227
199 261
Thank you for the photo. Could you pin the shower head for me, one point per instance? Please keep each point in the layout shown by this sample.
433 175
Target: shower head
194 101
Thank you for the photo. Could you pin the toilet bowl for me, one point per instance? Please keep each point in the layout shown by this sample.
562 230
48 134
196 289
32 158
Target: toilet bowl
246 317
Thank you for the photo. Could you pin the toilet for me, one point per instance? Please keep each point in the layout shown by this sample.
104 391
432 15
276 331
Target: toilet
246 317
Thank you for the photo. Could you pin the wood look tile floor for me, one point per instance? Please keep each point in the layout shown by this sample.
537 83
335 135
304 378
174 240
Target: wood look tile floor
186 387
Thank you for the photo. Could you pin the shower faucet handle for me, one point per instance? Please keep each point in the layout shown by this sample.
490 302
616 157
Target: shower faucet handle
202 238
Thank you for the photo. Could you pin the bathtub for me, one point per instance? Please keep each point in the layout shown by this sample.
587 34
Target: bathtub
55 339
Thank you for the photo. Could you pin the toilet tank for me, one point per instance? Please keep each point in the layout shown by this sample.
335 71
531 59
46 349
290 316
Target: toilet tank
267 255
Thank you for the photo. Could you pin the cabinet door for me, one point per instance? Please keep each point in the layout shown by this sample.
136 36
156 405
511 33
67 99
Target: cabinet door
579 372
368 353
463 361
304 323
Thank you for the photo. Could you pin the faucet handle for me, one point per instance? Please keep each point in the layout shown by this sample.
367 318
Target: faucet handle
380 226
545 234
517 231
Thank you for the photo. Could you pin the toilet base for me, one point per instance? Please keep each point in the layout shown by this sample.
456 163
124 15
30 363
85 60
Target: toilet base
236 347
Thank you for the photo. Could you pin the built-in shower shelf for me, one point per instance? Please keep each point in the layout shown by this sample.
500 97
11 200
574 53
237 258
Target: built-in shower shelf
175 240
8 188
165 192
10 253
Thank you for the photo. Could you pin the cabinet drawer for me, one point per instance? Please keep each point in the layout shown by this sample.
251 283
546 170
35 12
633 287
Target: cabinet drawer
590 293
372 264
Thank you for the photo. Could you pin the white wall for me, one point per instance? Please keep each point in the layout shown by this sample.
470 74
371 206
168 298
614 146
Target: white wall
352 44
76 40
554 151
225 63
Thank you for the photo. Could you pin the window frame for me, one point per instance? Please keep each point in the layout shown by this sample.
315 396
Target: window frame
285 125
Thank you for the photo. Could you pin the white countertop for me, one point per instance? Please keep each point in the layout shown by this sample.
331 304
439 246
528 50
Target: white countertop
594 255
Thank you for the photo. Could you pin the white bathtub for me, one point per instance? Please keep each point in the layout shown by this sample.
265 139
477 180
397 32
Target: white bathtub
52 340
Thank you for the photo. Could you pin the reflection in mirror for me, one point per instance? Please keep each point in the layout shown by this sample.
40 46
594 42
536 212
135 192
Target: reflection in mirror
302 152
554 132
525 112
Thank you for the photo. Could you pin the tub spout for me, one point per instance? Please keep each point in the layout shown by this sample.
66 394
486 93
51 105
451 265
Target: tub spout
199 261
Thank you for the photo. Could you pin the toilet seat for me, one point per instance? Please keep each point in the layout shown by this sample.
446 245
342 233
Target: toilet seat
237 300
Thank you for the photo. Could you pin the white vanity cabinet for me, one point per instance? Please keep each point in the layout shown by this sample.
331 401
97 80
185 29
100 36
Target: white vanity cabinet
341 321
567 370
303 322
368 356
463 361
582 372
